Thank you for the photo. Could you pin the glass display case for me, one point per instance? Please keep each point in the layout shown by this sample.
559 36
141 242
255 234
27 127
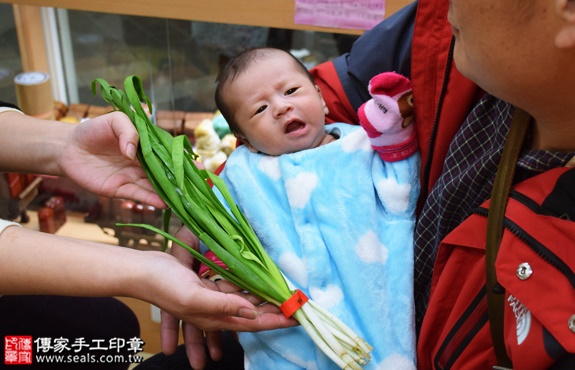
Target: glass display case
175 46
10 63
177 60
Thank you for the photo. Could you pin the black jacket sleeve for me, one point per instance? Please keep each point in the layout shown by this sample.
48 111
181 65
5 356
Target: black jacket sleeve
384 48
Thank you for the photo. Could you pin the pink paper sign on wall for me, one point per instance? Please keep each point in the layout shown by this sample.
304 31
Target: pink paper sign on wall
350 14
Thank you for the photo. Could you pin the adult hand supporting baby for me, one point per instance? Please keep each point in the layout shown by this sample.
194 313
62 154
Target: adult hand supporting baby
206 325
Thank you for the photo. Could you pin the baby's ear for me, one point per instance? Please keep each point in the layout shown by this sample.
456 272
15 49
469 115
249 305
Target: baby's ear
566 35
244 141
325 108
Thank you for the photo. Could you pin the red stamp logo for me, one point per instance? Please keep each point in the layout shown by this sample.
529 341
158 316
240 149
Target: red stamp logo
18 350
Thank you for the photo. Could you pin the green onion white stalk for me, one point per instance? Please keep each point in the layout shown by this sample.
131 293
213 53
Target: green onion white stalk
169 164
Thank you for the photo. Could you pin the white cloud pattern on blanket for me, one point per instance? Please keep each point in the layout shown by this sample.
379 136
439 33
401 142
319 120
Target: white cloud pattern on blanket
370 249
396 362
299 188
293 267
328 297
394 196
357 140
270 166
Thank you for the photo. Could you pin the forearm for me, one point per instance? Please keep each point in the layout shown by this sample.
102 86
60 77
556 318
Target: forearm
39 263
31 145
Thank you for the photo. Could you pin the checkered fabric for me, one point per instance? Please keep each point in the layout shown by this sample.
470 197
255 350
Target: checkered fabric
466 182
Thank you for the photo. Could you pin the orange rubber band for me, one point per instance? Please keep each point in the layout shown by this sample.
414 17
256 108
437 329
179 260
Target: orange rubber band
293 303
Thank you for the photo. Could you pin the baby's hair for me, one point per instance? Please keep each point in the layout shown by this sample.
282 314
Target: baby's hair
239 64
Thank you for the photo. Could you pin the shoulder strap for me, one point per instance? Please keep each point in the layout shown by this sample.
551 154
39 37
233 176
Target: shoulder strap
496 214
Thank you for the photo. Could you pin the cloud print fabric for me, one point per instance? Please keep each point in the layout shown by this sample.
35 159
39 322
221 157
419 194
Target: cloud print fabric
339 223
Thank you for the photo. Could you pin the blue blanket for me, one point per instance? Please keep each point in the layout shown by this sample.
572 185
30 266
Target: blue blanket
339 223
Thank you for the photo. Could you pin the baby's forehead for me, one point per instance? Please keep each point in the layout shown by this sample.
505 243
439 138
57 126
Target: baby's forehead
274 58
276 66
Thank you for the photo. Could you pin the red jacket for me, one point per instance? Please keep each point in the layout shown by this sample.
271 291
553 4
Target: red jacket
534 267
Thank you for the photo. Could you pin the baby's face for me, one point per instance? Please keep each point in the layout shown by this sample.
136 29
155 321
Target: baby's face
278 109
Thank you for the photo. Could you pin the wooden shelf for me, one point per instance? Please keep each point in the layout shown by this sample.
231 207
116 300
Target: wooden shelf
263 13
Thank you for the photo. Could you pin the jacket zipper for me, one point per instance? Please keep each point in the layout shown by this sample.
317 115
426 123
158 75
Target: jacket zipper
463 331
531 204
427 168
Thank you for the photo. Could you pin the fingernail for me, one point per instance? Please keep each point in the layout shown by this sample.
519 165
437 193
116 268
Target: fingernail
247 313
131 151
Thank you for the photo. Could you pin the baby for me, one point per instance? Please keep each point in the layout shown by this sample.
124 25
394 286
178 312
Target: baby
336 218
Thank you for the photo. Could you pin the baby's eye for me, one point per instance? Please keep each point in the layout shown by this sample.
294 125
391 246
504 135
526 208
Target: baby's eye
261 109
291 91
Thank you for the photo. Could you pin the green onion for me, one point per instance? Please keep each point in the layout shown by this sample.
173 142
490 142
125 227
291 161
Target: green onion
169 164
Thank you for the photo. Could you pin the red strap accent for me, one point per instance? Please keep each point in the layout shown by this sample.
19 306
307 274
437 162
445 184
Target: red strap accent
397 152
293 303
340 109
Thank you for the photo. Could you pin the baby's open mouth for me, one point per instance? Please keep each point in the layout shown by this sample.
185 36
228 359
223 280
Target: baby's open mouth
293 126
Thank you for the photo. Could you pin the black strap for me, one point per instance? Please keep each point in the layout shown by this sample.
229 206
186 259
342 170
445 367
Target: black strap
496 214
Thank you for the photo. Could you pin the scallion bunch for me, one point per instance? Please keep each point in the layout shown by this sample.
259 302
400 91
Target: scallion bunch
169 164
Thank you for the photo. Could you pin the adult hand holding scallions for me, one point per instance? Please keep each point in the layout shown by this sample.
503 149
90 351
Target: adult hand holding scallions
168 162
